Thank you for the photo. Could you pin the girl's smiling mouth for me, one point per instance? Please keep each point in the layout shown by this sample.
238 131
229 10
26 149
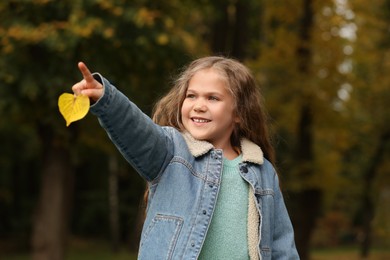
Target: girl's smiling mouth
200 120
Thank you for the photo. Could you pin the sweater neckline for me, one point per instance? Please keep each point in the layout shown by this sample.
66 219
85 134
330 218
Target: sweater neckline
232 163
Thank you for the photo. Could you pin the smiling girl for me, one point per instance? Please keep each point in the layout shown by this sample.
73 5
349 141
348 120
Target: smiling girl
208 162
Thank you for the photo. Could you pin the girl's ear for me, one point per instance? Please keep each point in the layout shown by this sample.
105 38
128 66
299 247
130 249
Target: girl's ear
237 119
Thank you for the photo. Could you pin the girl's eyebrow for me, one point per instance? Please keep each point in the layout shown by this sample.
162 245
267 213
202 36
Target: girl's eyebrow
211 93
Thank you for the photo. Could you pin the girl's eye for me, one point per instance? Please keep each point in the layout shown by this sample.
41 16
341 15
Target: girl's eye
190 96
214 98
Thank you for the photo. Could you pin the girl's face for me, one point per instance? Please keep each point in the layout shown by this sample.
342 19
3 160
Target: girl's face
207 112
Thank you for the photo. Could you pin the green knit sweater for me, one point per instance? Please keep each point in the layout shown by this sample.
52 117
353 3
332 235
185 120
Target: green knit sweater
227 234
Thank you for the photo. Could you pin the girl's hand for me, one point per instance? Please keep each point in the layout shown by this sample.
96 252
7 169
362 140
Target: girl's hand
88 86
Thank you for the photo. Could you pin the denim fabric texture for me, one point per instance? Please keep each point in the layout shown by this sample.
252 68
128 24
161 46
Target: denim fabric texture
184 178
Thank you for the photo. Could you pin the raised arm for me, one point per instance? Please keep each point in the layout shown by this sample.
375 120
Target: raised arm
145 145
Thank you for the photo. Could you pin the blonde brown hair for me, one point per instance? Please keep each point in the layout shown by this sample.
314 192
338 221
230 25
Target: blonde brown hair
248 101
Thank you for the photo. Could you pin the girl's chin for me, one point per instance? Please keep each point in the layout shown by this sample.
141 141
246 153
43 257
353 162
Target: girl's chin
198 136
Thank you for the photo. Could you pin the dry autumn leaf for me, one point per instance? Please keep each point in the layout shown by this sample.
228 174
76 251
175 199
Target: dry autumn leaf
73 107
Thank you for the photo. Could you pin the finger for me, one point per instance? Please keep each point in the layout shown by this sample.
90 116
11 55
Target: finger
87 75
78 87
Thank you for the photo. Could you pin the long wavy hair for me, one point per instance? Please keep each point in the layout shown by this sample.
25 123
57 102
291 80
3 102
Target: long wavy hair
248 101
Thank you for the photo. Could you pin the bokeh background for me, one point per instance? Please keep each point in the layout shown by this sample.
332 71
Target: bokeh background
324 70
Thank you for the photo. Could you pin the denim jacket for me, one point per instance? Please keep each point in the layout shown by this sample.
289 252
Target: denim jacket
184 176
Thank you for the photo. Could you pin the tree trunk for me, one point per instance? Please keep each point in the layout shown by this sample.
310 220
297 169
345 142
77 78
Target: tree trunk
52 213
241 30
308 200
220 29
367 206
137 230
113 201
230 29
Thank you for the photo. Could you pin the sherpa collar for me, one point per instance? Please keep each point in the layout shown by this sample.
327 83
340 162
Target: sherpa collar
251 152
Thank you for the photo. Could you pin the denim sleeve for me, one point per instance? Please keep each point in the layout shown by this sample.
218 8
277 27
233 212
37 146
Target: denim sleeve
283 246
144 144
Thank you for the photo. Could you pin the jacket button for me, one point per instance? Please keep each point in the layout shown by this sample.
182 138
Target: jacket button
244 169
204 212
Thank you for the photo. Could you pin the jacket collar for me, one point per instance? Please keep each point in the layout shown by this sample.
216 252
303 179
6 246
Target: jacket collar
251 152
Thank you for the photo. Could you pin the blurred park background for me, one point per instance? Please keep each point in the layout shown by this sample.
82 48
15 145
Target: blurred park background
324 70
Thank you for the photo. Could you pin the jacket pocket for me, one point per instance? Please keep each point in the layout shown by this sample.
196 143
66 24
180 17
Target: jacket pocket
160 237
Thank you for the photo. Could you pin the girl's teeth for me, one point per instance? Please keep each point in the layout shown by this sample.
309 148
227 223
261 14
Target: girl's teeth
200 120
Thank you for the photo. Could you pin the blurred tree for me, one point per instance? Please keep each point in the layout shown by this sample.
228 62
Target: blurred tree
40 40
234 27
29 39
326 90
309 197
372 93
299 64
114 202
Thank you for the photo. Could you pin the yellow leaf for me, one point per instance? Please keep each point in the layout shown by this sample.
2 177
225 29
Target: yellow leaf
73 107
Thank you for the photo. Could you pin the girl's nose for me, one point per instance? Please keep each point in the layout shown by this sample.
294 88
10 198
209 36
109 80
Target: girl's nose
200 106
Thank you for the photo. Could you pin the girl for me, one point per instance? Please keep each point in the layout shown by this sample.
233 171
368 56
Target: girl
207 159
